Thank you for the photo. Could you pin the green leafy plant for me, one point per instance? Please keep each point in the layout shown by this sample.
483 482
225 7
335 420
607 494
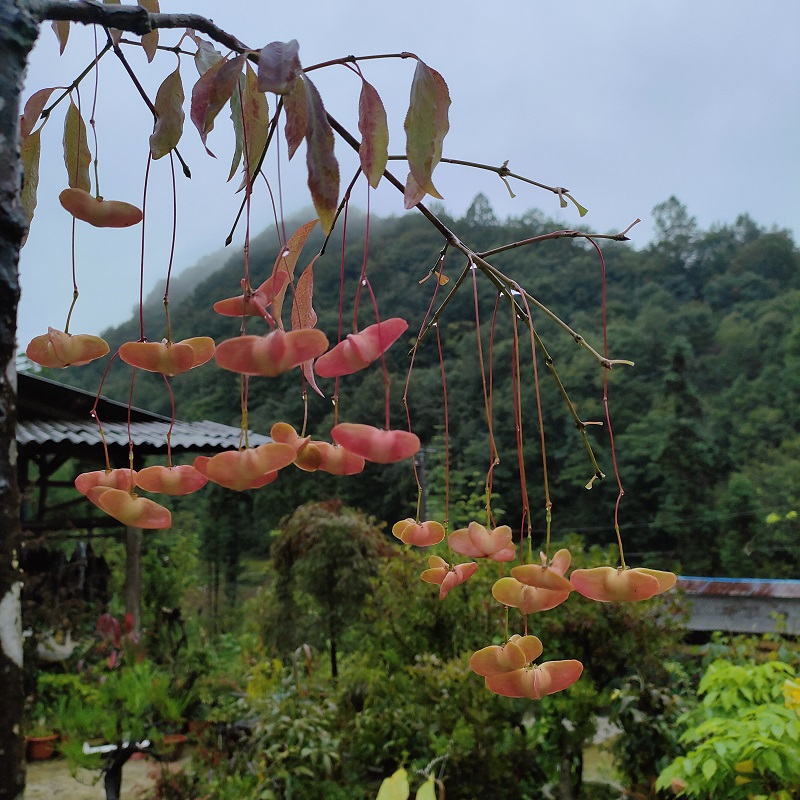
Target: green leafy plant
744 737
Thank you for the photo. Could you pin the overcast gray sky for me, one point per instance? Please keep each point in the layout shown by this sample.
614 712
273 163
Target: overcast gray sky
624 102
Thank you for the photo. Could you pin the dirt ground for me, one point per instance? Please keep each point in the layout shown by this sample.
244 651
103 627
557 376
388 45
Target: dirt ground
52 779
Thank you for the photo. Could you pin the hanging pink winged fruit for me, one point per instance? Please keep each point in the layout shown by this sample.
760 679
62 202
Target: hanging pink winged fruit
130 509
447 577
113 478
308 456
256 303
476 542
535 681
169 359
375 444
359 350
173 481
516 653
337 460
528 599
546 576
57 349
99 212
506 669
246 469
609 585
270 355
420 534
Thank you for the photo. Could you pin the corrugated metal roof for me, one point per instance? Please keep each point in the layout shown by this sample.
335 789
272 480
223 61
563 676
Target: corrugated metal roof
152 435
740 587
55 417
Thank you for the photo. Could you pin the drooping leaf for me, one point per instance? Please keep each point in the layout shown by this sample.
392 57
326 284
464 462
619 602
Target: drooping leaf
428 789
77 157
211 92
412 194
286 262
256 121
206 56
168 126
374 150
33 108
29 155
150 40
296 108
238 127
61 30
279 67
304 316
426 125
395 787
323 168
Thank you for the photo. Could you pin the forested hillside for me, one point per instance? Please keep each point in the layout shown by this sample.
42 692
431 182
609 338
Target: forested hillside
706 424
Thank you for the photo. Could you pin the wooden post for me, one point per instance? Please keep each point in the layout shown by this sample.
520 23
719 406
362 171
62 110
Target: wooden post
133 576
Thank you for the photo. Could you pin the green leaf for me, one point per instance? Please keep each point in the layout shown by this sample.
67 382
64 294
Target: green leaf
374 149
296 108
279 67
150 40
772 761
256 121
426 125
709 768
238 127
61 30
212 92
168 126
77 157
428 790
323 168
206 56
33 109
29 155
394 787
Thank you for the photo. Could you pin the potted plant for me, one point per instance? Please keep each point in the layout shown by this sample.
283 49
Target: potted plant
40 735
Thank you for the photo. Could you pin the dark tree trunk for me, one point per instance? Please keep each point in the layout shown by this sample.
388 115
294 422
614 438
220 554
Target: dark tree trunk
18 32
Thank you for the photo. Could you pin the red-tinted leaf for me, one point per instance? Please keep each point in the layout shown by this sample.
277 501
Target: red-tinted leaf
29 155
374 150
426 125
150 40
33 108
303 314
296 108
278 67
211 92
323 168
412 194
169 115
61 30
206 56
77 157
286 262
256 121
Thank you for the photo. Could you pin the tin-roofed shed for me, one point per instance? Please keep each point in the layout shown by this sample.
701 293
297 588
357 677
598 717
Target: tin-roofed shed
742 605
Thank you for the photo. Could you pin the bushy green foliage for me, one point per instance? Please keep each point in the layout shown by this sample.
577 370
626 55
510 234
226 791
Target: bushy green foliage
743 739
